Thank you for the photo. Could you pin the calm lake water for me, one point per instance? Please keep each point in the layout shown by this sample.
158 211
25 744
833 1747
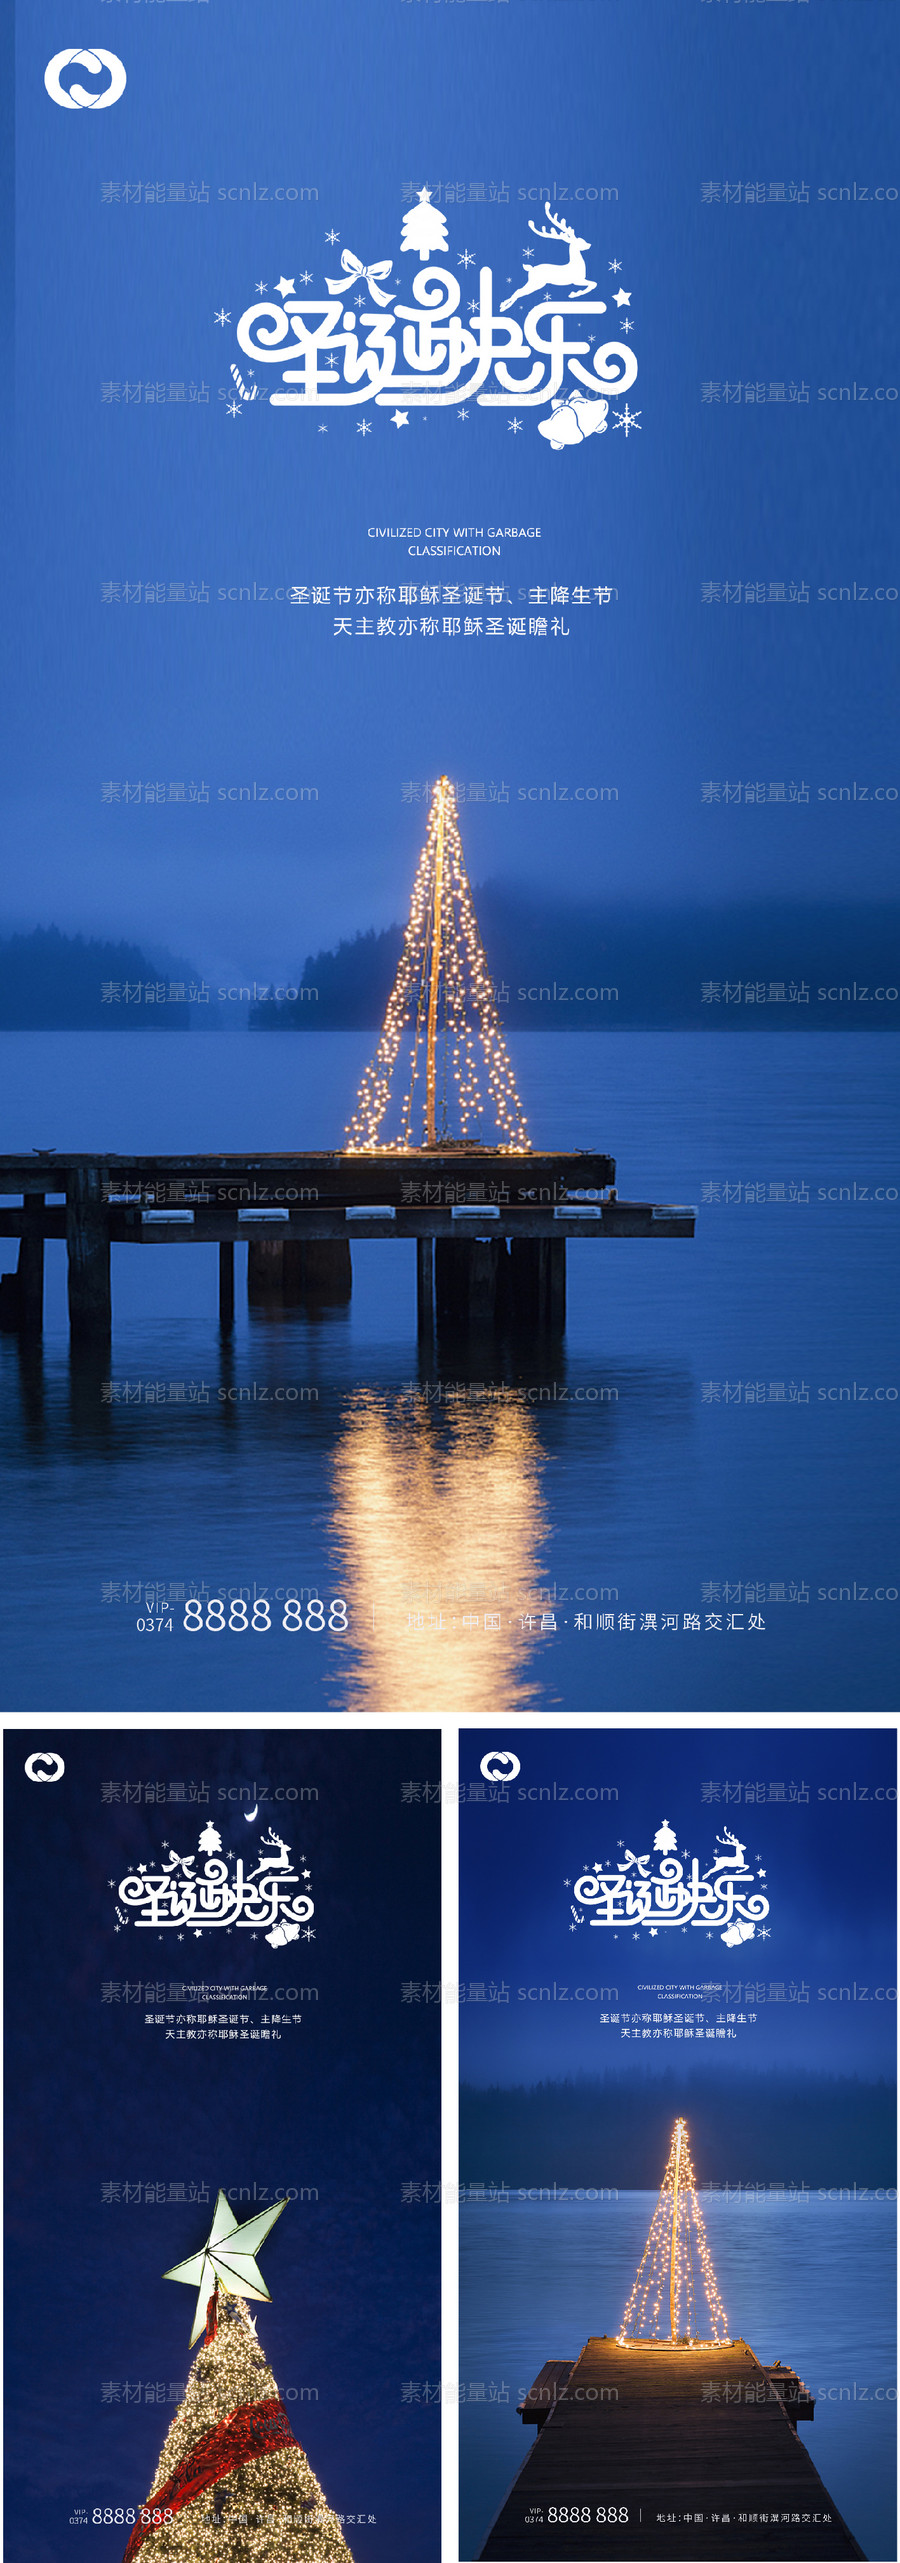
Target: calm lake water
621 1479
812 2284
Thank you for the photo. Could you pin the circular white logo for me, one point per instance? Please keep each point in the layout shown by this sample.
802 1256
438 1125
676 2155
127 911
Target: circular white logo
94 61
500 1766
44 1766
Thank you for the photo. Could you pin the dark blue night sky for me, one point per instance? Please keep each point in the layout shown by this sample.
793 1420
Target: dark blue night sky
346 2105
651 695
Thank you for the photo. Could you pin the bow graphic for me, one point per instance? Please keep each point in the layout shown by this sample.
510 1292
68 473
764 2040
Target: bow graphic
353 269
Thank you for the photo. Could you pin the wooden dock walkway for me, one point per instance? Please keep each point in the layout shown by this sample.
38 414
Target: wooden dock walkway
661 2451
490 1226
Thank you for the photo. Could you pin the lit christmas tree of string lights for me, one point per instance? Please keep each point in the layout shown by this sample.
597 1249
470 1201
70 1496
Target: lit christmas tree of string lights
232 2484
676 2264
442 994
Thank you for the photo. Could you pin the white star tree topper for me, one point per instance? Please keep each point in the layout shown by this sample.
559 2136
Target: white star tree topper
229 2254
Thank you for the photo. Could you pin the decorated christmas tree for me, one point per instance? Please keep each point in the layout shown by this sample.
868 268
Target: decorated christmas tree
232 2484
460 1088
676 2268
424 227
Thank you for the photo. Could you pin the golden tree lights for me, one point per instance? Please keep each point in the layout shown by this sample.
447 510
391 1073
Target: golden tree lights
460 1074
232 2484
676 2267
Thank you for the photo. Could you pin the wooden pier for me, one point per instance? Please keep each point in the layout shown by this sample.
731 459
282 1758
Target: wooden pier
491 1227
666 2451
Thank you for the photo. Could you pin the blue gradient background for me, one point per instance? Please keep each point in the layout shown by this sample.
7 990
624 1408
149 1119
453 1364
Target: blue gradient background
348 2105
654 693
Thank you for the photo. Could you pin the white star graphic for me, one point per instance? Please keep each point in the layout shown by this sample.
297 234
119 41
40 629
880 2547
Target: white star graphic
514 426
400 418
323 431
621 298
285 285
221 317
229 2253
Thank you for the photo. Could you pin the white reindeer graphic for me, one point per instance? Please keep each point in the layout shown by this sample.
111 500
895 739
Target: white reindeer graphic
573 273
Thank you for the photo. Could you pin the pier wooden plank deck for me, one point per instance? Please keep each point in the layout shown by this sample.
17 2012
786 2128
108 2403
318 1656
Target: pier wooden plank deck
322 1175
462 1207
697 2473
128 1226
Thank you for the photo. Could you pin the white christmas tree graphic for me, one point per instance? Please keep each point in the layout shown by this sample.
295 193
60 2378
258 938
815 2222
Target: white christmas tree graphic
424 227
232 2484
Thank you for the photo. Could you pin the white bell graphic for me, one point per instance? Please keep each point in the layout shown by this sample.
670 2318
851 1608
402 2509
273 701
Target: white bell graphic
572 420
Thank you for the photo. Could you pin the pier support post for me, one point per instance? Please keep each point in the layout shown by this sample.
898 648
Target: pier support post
226 1288
467 1283
87 1242
265 1269
290 1271
318 1268
538 1283
30 1270
425 1292
22 1292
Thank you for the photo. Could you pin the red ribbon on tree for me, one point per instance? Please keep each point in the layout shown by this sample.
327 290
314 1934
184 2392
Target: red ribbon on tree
255 2429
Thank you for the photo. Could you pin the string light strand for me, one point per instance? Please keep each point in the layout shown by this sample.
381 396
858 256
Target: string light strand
676 2264
443 995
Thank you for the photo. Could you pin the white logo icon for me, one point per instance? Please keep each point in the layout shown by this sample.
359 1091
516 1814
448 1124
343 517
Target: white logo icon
94 61
500 1766
44 1766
